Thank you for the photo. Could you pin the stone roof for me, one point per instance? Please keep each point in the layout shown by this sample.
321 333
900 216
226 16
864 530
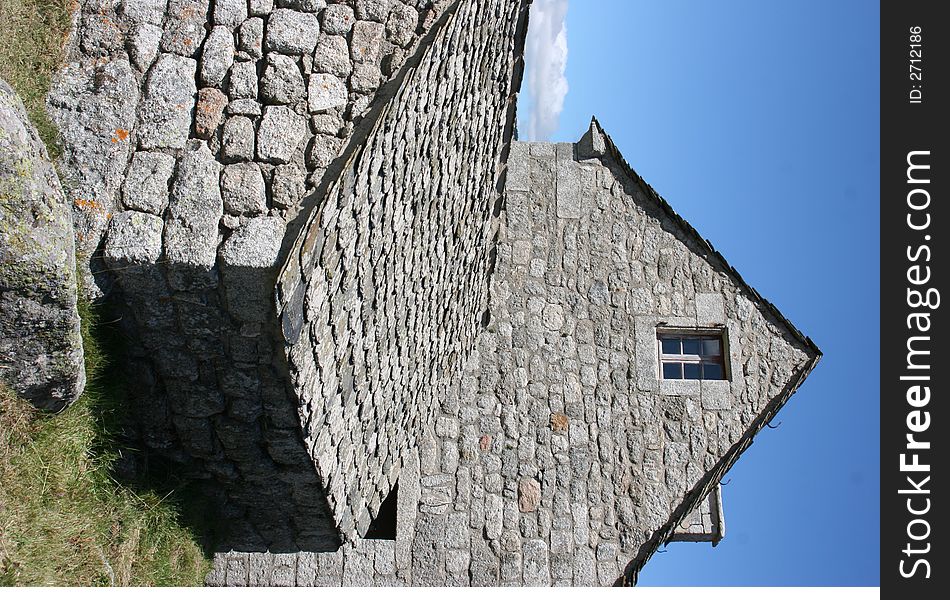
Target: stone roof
192 131
404 223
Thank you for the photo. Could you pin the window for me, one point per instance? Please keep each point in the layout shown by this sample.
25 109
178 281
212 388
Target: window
691 356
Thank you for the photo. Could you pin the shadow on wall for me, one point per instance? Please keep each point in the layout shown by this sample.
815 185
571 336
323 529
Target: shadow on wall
206 362
205 405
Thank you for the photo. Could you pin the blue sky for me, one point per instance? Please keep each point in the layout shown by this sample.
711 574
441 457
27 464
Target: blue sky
759 123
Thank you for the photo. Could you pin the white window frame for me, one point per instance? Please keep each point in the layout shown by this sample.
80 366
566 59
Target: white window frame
684 359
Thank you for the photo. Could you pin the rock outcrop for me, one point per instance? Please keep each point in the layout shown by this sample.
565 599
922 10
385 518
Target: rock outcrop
40 346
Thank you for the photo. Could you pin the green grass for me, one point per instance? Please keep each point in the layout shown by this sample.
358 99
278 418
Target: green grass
32 36
63 519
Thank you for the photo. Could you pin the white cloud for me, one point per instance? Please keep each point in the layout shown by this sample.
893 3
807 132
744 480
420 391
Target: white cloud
545 59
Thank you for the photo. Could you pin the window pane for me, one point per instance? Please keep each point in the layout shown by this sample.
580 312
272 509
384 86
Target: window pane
691 371
671 345
712 371
672 371
711 348
691 346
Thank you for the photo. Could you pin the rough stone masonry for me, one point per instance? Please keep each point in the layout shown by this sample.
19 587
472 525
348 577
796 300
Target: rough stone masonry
559 456
344 283
196 135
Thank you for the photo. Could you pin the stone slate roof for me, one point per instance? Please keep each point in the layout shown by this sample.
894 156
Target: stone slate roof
405 223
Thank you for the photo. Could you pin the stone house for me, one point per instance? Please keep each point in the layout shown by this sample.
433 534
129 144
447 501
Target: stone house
398 346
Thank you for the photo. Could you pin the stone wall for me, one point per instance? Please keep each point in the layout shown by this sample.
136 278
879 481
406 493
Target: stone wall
560 457
473 320
596 263
144 75
705 524
385 288
41 354
195 133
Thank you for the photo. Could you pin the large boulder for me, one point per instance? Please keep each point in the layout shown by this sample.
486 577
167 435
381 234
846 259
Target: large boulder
40 345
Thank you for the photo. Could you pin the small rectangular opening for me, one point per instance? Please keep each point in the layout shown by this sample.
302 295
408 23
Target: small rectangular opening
699 355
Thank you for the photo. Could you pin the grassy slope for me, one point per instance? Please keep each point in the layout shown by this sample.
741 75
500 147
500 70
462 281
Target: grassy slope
63 519
32 34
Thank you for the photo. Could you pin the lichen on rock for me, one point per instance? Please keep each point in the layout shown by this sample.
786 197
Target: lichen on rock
40 346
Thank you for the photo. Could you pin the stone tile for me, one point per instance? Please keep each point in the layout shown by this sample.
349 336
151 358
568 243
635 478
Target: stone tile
291 32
